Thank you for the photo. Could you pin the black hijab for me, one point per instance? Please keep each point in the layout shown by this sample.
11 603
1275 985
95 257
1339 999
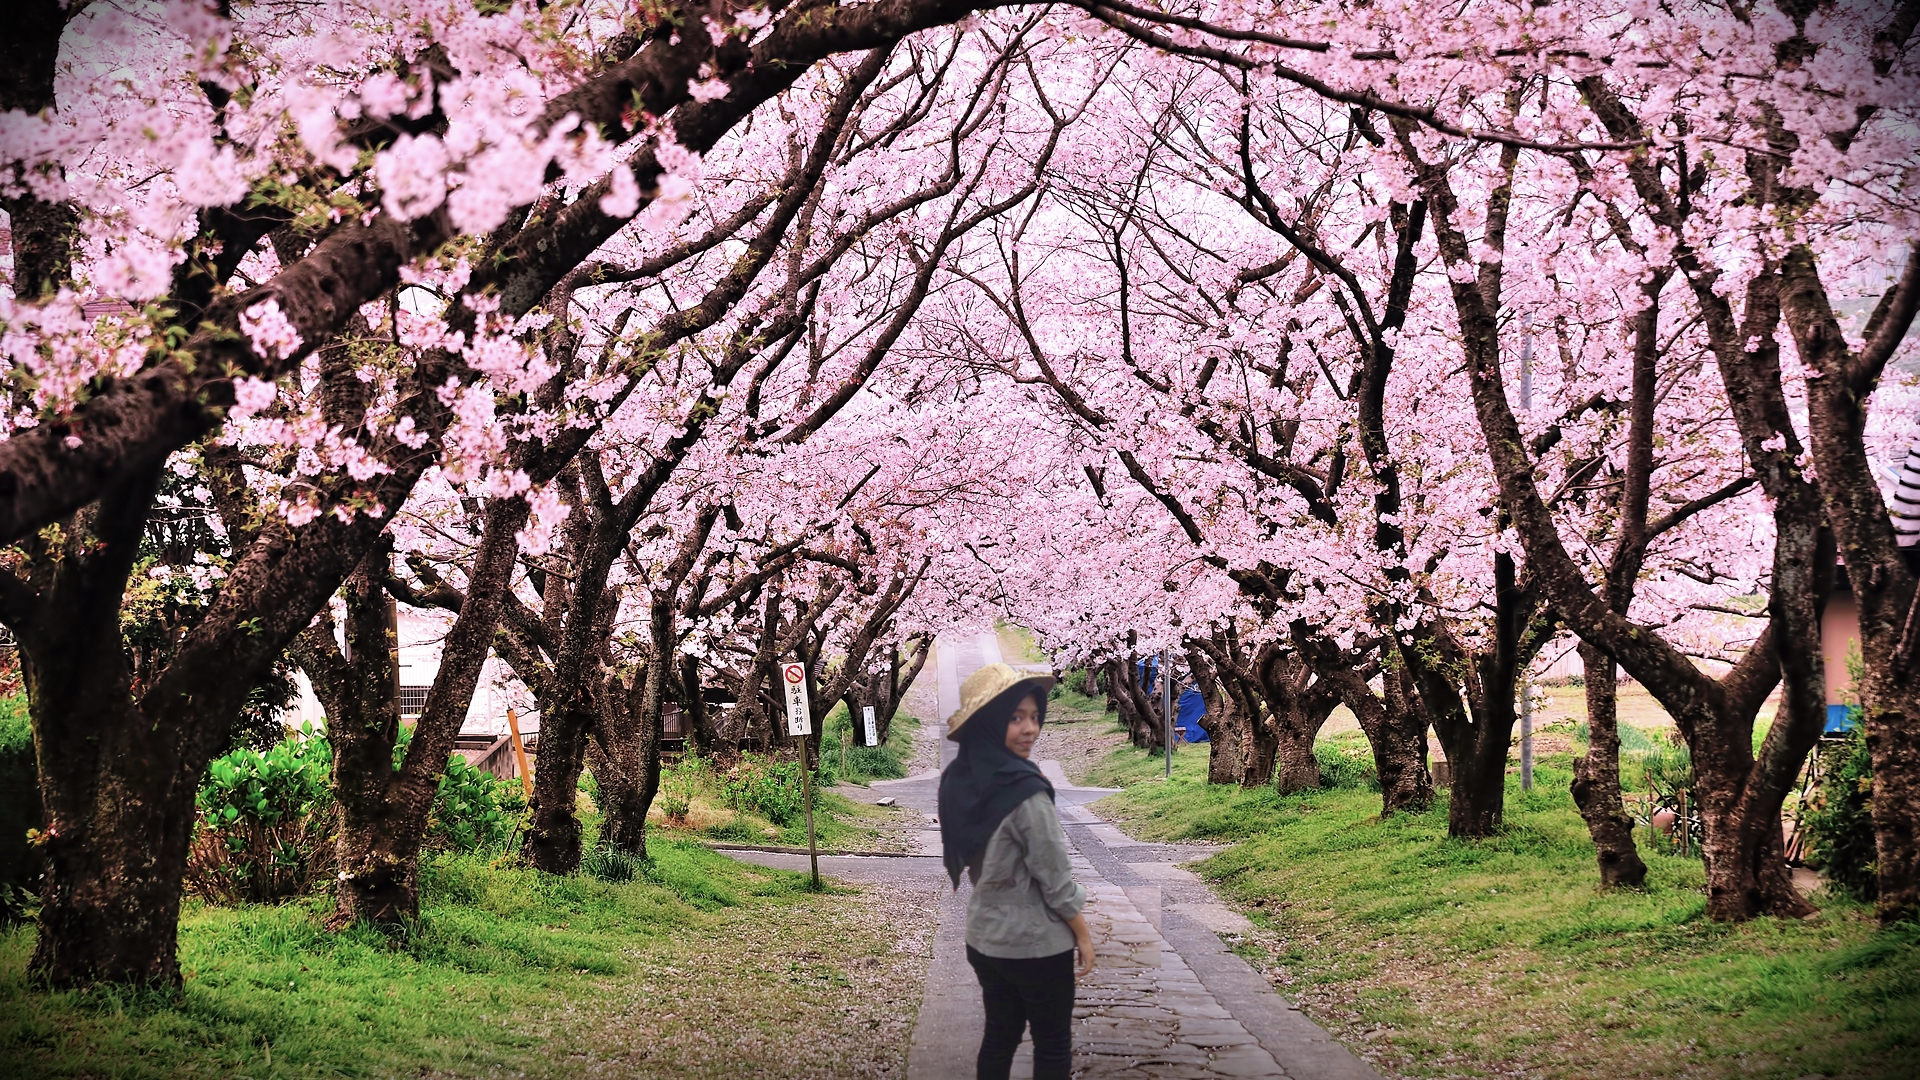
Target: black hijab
986 781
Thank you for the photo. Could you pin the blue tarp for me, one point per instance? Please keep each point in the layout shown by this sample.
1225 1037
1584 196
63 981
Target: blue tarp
1145 670
1187 716
1840 719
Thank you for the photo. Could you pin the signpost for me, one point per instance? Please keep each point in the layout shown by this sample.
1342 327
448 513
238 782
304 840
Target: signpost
1166 706
873 735
800 724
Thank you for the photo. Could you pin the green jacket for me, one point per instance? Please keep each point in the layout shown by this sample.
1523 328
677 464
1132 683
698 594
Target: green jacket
1023 887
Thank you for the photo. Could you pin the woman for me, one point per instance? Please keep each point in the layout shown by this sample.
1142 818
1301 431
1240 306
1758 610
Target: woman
998 823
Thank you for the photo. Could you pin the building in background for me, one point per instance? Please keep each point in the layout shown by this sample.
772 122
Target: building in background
420 637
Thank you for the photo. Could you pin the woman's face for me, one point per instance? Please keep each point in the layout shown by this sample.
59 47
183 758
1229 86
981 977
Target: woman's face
1024 728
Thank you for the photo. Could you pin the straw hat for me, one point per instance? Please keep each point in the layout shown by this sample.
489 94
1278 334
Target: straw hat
990 684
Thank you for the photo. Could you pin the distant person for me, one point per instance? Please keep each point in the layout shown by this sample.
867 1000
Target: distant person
998 823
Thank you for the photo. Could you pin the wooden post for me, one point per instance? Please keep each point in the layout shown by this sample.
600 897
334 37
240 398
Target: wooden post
806 788
520 752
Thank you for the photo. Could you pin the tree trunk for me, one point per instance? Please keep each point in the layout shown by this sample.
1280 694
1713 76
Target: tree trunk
1477 743
119 792
1135 706
1298 705
702 737
1596 779
1296 767
383 808
1225 721
1892 717
117 784
378 853
1396 729
1260 752
629 763
1400 747
1477 802
553 835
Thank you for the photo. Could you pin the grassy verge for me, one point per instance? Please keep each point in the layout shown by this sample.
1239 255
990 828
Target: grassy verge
1018 644
840 823
1066 704
508 971
1437 957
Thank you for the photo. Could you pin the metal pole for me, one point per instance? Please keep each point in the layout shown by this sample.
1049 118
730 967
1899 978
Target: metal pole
1166 708
806 789
1526 699
1526 736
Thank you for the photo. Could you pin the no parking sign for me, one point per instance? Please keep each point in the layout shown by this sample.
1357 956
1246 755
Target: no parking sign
799 718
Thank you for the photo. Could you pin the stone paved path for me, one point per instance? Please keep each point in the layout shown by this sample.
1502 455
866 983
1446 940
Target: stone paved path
1167 999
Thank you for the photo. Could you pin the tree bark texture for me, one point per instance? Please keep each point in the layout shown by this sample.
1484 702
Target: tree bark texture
1225 721
1298 704
1138 709
379 869
626 766
118 787
384 811
1596 779
1879 573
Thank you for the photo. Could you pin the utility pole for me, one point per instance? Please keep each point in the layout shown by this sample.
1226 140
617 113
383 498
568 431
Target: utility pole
1166 708
1526 695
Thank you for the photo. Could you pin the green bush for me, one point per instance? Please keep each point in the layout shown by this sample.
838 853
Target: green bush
264 828
862 763
682 781
1839 821
474 810
764 786
611 864
20 863
1346 765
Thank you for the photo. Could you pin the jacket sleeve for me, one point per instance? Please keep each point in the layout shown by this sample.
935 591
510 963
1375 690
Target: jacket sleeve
1047 859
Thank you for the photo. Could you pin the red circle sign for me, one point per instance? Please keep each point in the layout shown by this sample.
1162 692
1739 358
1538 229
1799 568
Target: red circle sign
795 673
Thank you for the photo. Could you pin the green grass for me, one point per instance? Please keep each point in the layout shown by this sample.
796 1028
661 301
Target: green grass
1470 958
840 823
1018 645
1068 705
508 970
865 764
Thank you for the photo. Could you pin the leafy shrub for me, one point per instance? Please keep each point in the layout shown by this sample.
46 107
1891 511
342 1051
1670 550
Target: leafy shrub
860 763
680 782
474 810
611 864
1345 766
1839 820
20 861
1669 769
764 786
737 830
264 829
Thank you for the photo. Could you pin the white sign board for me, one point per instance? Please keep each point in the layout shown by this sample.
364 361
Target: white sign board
799 718
873 736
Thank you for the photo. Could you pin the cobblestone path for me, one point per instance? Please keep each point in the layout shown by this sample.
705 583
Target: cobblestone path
1167 999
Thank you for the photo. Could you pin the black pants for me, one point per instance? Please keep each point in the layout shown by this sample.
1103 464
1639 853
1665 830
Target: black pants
1021 992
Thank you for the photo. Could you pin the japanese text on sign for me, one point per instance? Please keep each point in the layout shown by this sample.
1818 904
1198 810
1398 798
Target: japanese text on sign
799 718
